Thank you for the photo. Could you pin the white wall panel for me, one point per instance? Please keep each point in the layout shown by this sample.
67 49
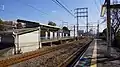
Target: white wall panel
29 41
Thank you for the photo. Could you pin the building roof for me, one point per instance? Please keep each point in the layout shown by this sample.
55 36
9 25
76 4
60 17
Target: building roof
18 31
38 24
27 30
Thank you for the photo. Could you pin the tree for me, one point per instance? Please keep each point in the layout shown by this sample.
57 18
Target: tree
65 29
1 21
51 23
1 25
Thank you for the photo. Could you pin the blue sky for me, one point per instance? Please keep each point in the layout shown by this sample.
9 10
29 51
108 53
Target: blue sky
14 9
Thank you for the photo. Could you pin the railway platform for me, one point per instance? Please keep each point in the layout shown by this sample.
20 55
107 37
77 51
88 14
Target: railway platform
95 56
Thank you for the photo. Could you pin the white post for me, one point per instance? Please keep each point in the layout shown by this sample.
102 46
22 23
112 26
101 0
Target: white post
46 35
39 37
17 43
50 35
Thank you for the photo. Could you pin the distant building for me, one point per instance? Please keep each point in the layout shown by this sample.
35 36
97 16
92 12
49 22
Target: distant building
13 25
8 25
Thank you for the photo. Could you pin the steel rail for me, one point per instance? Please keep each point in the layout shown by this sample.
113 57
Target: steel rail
71 60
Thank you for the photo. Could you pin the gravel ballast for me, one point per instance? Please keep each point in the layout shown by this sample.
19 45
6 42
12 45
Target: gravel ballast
52 59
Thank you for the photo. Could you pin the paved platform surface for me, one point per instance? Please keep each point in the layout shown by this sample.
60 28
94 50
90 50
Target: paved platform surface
95 56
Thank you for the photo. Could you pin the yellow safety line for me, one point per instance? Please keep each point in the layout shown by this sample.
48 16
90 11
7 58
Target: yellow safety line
94 56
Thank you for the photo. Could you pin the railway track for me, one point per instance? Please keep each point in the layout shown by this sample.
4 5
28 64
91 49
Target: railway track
23 57
29 55
71 60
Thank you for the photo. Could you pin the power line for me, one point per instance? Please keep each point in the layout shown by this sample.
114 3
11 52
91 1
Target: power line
100 2
33 7
37 8
56 3
96 6
65 8
61 5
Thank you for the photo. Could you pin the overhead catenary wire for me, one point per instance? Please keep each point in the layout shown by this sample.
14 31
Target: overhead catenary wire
24 4
37 8
100 2
96 6
56 3
61 5
33 7
65 8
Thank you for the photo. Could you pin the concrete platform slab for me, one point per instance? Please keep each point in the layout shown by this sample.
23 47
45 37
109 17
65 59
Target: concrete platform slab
95 56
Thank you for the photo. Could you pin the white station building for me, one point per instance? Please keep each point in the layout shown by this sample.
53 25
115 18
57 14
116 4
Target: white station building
29 39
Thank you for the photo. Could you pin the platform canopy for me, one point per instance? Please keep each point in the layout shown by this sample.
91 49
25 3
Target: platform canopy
45 27
104 9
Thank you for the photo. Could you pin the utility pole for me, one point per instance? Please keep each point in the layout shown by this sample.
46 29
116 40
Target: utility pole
98 30
81 13
87 19
74 30
108 28
77 19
